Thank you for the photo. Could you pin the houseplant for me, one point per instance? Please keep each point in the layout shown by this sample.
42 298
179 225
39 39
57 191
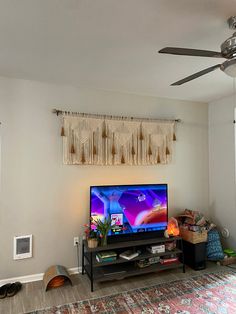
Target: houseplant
103 227
92 236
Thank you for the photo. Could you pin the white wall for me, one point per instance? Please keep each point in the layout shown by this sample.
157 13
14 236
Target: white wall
40 195
222 166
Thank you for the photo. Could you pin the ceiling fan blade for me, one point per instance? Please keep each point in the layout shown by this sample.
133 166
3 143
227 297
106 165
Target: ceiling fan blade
191 52
196 75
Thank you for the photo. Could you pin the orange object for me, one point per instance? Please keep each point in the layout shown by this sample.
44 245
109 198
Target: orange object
173 228
55 276
56 282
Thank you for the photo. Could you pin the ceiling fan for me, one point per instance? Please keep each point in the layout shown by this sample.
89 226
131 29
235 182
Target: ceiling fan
228 51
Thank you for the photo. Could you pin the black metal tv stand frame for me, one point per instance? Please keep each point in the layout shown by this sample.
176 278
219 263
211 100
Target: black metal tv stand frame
122 268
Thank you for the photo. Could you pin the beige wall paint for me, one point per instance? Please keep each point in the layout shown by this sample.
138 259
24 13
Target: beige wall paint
222 166
40 195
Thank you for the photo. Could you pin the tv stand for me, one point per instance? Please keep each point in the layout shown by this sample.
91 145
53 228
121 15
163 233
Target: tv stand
122 268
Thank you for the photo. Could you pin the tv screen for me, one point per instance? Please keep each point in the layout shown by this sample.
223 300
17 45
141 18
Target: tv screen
133 209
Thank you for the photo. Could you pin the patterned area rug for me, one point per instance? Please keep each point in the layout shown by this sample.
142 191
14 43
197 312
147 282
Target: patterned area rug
209 293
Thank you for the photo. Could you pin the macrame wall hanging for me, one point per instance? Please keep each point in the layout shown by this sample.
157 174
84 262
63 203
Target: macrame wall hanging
107 140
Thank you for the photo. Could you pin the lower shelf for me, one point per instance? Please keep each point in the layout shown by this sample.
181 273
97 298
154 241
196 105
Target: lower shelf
122 271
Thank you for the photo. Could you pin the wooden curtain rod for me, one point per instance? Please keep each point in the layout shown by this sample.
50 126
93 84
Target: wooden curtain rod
60 112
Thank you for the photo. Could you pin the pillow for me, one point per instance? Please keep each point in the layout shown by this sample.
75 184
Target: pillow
214 248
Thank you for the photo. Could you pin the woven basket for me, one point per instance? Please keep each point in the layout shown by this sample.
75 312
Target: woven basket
193 237
92 243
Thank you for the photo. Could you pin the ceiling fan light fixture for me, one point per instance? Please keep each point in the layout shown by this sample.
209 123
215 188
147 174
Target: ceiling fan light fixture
229 67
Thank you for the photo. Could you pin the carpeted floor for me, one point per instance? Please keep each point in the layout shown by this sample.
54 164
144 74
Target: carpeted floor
213 293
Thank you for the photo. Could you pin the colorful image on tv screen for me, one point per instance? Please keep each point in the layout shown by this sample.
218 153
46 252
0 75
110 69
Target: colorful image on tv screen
132 209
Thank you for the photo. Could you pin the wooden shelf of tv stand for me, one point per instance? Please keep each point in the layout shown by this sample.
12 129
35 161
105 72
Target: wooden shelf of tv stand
129 270
122 268
121 260
127 244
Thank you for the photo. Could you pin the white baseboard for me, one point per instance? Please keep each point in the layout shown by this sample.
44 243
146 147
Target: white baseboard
75 270
35 277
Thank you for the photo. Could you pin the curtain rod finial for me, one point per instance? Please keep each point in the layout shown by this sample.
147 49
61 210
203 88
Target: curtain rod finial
56 111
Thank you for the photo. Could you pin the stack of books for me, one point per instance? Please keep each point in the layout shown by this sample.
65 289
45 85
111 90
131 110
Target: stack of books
106 256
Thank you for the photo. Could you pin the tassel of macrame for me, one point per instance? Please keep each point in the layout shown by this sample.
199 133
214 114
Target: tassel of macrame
167 151
72 149
149 147
174 135
132 149
122 156
83 156
94 147
141 137
62 131
94 150
158 157
167 148
104 131
113 149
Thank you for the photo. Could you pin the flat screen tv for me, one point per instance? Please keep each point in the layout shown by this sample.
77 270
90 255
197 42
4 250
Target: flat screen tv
136 211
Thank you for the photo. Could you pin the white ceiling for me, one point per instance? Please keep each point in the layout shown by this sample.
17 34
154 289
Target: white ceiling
113 44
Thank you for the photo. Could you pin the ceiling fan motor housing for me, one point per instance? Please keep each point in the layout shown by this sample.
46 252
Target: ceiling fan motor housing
228 48
232 22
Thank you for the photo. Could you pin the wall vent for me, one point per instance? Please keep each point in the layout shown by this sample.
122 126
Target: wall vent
22 247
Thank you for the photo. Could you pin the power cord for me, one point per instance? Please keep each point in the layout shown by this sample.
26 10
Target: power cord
78 255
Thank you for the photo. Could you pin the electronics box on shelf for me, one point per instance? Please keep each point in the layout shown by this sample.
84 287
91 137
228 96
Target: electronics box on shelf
154 249
129 254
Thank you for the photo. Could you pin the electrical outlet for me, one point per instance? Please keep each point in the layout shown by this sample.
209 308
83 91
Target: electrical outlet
76 241
225 233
